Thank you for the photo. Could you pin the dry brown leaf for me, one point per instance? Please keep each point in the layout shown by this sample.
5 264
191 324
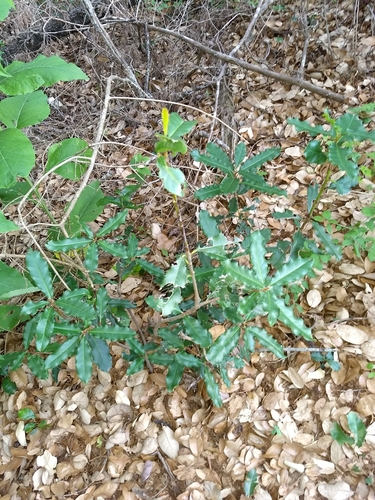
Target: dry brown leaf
335 491
168 443
352 334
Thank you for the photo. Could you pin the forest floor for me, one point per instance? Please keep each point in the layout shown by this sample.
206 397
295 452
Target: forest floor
102 439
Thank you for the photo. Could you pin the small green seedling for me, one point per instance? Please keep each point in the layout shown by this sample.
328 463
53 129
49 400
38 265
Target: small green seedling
31 424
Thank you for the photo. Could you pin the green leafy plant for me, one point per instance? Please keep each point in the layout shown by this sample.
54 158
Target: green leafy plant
356 427
31 422
371 367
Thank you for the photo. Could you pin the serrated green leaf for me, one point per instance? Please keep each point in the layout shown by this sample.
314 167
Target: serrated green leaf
243 275
223 345
136 347
352 127
115 249
208 224
207 192
229 185
150 268
136 366
339 156
295 324
8 386
86 209
216 158
161 358
248 303
100 353
92 257
197 332
252 164
266 340
65 350
84 360
169 305
68 244
258 255
256 182
77 308
113 332
29 331
314 153
171 338
329 246
217 243
44 328
340 436
113 223
26 414
239 154
211 386
177 273
292 271
102 301
357 427
174 375
11 361
189 361
13 283
37 366
311 129
172 178
39 272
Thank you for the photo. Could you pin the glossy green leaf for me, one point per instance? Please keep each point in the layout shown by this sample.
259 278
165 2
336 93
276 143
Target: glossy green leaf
44 328
170 305
304 126
69 148
6 226
339 157
197 332
239 154
211 386
357 428
252 164
100 353
115 249
39 272
150 268
188 360
297 325
65 350
77 308
229 185
84 360
177 273
216 158
266 340
24 110
314 153
112 332
67 329
9 317
251 482
37 366
136 366
178 127
292 271
29 331
258 255
161 358
13 283
352 127
247 304
171 338
256 182
113 223
340 436
173 178
223 345
174 375
17 156
92 257
76 294
216 248
26 414
330 247
68 244
207 192
243 275
208 224
102 301
86 209
14 194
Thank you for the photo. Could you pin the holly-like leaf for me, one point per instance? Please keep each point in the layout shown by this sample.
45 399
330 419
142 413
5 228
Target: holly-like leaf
216 158
197 332
68 244
44 328
211 386
223 345
357 427
177 273
265 340
113 223
65 350
100 353
112 332
174 375
39 272
84 360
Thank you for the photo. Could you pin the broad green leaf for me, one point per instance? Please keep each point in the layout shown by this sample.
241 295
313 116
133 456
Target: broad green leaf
77 308
173 146
136 347
339 157
174 375
217 243
211 386
161 358
113 223
207 192
84 360
329 246
102 301
37 366
248 303
251 482
216 158
44 329
169 305
223 345
5 6
295 324
177 127
115 249
311 129
112 332
17 156
24 110
46 71
14 194
352 127
11 361
340 436
39 272
188 360
6 226
136 366
357 427
150 268
265 340
8 385
177 273
258 255
256 182
132 246
67 329
314 153
243 275
239 154
229 185
26 414
13 283
77 294
208 224
171 338
87 208
197 332
312 193
65 350
100 353
9 317
68 148
172 178
92 257
68 244
252 164
292 271
29 331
